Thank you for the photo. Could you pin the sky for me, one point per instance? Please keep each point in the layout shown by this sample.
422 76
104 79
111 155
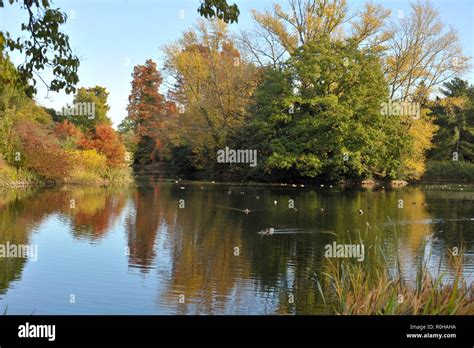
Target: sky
112 36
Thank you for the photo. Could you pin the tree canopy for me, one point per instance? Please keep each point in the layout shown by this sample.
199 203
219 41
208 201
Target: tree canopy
320 115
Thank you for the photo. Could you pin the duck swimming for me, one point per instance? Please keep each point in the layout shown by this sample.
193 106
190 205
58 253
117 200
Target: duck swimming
267 231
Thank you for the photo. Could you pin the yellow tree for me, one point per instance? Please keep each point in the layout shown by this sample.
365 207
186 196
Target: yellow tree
421 131
280 32
423 51
212 88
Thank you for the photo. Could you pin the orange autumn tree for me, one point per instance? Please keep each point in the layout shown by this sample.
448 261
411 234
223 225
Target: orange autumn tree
105 140
68 134
146 111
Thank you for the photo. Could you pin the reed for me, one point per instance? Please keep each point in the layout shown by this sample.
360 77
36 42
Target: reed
358 290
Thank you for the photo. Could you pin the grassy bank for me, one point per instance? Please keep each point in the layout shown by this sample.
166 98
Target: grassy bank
107 177
449 171
10 177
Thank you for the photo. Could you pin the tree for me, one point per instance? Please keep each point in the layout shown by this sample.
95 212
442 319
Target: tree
68 134
421 131
45 48
416 49
12 87
127 134
456 88
454 115
279 32
89 108
146 111
212 90
320 116
106 141
422 50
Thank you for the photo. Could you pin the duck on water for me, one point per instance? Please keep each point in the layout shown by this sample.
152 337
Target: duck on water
267 232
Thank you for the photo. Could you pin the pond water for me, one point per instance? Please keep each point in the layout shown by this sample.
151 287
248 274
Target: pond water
161 247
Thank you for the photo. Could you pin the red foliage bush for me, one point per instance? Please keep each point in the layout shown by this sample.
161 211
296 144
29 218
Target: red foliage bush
66 129
106 141
40 151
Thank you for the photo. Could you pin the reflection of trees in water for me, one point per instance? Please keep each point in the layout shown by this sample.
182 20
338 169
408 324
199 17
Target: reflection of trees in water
456 207
289 262
204 236
96 209
201 237
15 221
457 225
22 210
142 226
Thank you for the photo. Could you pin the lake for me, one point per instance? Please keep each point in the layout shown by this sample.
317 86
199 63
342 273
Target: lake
160 247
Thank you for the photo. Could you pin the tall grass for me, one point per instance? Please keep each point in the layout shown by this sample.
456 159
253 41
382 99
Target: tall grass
9 175
358 290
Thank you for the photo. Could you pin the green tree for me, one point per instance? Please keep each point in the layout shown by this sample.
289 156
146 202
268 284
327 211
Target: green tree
320 116
12 88
127 134
454 114
89 108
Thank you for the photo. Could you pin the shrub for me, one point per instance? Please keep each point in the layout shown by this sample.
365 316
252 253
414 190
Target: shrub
68 134
89 161
119 175
9 174
106 141
40 151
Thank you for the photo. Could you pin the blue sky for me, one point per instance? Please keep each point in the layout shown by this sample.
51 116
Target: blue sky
111 36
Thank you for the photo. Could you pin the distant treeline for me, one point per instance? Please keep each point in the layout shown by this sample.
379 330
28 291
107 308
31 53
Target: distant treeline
316 92
316 99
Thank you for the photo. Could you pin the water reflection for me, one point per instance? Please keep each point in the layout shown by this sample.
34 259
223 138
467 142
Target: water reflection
159 243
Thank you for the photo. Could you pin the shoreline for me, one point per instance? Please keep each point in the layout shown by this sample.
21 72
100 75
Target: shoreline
46 184
364 184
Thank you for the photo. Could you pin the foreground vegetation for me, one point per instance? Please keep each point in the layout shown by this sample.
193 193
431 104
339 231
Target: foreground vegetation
360 290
